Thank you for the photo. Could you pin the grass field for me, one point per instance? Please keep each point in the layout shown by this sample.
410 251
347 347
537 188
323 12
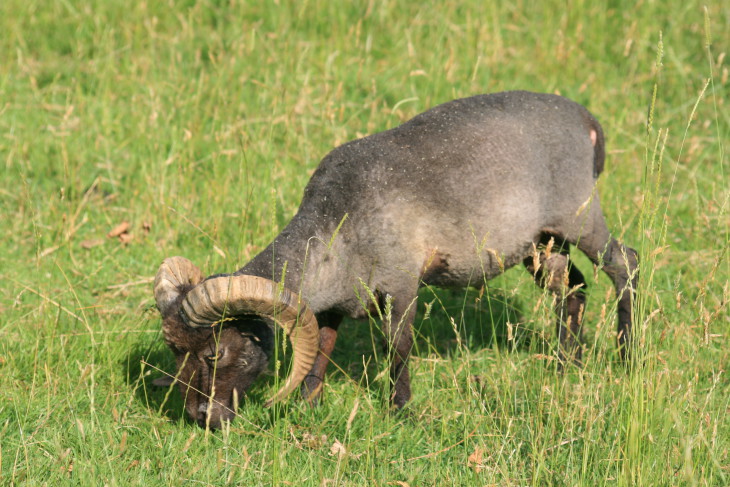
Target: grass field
200 122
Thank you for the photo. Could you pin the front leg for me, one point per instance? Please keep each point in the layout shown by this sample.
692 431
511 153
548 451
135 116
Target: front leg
399 336
313 382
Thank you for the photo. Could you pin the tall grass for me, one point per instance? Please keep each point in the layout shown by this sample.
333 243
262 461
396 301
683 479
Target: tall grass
199 123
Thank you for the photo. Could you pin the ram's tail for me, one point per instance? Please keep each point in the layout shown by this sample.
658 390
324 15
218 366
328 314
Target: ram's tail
599 151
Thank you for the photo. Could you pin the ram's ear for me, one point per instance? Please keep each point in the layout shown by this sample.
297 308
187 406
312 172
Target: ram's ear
174 275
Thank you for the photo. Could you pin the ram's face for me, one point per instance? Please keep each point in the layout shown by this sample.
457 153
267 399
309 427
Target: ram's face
216 365
218 329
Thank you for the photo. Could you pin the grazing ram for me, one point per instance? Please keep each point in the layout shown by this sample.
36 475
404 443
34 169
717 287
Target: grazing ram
450 198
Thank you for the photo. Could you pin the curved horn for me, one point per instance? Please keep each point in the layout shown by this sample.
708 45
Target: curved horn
174 273
220 297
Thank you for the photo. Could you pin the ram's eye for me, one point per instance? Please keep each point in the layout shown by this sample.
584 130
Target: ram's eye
215 356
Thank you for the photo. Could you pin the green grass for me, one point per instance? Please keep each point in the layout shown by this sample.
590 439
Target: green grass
199 123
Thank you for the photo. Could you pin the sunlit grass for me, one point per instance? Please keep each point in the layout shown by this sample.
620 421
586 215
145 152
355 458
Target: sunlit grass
199 123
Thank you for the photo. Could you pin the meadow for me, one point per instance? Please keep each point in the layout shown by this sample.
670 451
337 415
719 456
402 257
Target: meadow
134 131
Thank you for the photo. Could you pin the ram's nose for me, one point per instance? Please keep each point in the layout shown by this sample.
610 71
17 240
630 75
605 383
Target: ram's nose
202 417
212 417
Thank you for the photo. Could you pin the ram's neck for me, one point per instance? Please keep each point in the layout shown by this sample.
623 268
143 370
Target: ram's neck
293 255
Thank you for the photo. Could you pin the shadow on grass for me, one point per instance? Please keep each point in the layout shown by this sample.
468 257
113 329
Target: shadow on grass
472 319
141 366
448 323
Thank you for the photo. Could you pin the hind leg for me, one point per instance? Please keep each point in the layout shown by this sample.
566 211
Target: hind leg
554 271
621 265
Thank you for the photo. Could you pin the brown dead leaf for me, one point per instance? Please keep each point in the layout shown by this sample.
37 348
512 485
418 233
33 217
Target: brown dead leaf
126 238
540 356
313 441
476 460
119 230
91 243
338 449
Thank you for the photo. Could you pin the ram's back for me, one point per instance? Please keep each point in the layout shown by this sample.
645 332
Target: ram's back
474 177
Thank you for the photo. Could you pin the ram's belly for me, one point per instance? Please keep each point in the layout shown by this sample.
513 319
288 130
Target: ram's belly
461 269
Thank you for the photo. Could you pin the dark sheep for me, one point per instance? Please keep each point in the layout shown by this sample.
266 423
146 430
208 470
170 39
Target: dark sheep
451 198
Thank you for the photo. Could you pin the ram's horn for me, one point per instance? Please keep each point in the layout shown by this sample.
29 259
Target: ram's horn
174 273
218 298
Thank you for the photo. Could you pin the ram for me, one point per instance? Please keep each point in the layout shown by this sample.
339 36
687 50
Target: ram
451 198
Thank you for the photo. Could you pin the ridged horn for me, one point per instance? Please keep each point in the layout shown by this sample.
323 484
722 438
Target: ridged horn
172 274
227 296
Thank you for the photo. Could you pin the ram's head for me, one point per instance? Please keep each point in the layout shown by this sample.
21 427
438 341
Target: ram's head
219 330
